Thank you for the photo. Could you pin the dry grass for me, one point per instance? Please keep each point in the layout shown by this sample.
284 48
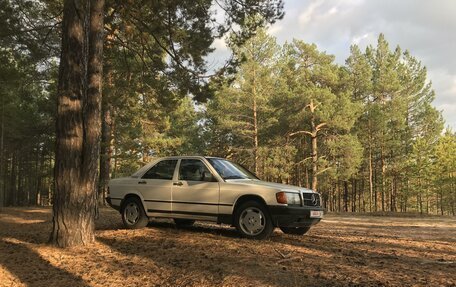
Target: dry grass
342 250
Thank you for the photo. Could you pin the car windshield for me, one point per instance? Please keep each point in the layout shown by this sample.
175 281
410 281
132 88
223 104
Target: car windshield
230 170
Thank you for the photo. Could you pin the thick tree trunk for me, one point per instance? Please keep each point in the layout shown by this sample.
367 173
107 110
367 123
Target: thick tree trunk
2 177
92 113
78 123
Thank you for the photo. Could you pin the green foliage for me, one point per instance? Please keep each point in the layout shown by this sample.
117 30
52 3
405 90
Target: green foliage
277 162
241 109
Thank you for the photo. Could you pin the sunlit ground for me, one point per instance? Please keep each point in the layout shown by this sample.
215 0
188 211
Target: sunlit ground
340 251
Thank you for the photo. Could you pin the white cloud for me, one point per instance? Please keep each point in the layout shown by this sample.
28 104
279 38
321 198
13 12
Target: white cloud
309 13
357 39
333 10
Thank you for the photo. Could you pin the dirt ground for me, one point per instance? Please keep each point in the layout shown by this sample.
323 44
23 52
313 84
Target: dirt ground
343 250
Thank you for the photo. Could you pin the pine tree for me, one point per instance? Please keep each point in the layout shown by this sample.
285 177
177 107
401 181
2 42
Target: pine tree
241 108
317 106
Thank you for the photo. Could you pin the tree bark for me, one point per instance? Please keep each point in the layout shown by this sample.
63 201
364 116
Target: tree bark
106 153
255 123
13 186
2 177
383 182
345 196
78 123
314 147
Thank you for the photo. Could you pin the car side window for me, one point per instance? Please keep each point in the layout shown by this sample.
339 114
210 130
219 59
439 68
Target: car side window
162 170
194 170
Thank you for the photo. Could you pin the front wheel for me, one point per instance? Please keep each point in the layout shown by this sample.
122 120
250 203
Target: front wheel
295 230
252 220
133 214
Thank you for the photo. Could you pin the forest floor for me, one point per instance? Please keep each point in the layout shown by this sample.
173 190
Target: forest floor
343 250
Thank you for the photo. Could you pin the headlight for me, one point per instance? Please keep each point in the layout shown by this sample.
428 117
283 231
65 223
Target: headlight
288 198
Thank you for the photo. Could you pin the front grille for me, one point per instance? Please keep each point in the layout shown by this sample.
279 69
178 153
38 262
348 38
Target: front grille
311 199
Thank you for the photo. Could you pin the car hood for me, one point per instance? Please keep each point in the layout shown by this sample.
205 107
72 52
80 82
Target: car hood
272 185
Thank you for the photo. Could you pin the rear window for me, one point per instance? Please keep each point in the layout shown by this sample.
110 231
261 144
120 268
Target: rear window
162 170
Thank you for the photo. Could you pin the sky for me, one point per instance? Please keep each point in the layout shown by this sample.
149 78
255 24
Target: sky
426 28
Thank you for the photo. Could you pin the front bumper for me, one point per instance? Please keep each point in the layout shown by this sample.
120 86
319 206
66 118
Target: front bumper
294 216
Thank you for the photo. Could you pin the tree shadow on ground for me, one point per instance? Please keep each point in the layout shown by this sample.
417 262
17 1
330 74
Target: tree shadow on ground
19 230
199 260
31 269
386 256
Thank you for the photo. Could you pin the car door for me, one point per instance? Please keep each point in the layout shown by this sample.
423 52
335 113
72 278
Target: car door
196 192
156 187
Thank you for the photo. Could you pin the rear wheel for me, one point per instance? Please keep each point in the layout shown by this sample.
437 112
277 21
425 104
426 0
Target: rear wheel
252 220
133 214
295 230
183 222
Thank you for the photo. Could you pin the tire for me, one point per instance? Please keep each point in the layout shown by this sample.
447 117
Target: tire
133 214
183 222
253 221
295 230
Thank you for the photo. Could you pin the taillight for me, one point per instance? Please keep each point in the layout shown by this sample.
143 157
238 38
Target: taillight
281 197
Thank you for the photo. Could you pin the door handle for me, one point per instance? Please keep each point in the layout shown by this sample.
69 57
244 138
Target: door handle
179 183
142 182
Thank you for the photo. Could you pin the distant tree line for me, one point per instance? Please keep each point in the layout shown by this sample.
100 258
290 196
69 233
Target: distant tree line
364 134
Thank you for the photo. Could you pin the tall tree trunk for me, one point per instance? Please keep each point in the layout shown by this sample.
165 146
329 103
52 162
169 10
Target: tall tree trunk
13 185
419 198
339 197
383 168
441 201
2 176
106 152
375 178
307 177
362 193
345 196
371 179
354 189
314 134
255 123
78 123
